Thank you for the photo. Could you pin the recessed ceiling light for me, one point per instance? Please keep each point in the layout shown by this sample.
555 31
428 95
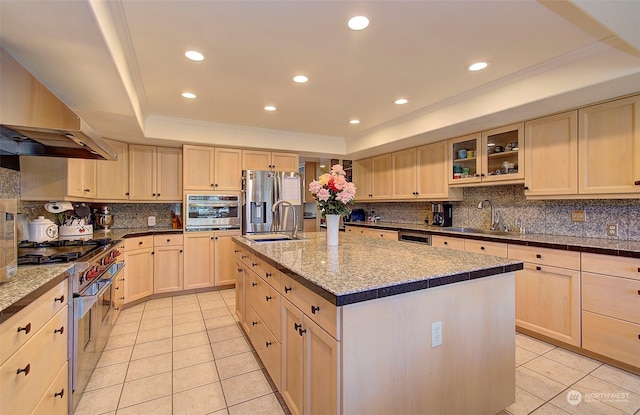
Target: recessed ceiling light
270 108
354 122
194 55
478 66
189 95
401 101
358 23
301 79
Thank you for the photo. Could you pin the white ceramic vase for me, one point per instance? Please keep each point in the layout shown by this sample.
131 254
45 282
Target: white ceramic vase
333 222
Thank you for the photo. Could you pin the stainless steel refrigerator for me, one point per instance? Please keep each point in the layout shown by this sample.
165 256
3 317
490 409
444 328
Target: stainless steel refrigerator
261 190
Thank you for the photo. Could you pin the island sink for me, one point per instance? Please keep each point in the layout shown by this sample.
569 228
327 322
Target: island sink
272 237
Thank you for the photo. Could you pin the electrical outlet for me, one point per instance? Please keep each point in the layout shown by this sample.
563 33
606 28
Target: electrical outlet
151 221
436 334
612 229
578 216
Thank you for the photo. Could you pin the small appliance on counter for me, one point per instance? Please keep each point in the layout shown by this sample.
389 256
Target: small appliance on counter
442 214
42 230
103 218
358 215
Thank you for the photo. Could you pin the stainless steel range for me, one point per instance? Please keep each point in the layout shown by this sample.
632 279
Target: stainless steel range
91 314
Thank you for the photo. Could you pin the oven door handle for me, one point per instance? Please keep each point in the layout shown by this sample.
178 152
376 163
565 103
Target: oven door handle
83 304
107 283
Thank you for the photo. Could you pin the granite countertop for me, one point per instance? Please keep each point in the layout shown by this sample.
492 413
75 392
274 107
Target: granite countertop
134 232
570 243
363 268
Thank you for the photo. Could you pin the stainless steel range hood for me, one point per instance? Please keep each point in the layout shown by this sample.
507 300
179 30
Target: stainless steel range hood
34 122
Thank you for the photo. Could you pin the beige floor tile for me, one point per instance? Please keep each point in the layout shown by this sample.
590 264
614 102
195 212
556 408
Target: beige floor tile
537 384
590 407
124 328
123 340
127 316
554 370
145 336
194 376
185 299
264 405
114 356
135 308
214 323
188 328
154 348
244 387
524 355
160 406
159 312
187 317
99 401
525 403
533 345
208 296
211 304
573 360
146 389
156 322
186 308
192 356
237 365
149 366
158 304
190 340
107 376
549 409
224 333
199 401
229 347
618 377
215 312
613 395
231 303
228 293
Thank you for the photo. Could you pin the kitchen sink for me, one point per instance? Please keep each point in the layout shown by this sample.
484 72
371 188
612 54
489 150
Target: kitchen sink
273 237
481 231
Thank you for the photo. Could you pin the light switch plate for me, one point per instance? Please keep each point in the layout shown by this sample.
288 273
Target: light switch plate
151 221
578 216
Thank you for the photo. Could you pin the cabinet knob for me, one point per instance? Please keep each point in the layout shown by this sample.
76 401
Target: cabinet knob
482 248
254 284
254 323
59 394
538 256
235 251
26 328
126 194
140 243
158 194
297 326
212 185
267 274
181 251
302 331
538 269
26 370
87 190
526 188
153 194
60 330
446 243
267 344
314 309
168 240
254 264
268 298
637 182
287 289
476 175
61 299
245 256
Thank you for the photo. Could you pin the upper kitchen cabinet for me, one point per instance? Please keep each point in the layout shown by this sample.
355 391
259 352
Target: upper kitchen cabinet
374 178
266 160
209 168
113 176
551 156
609 148
362 179
155 173
493 156
54 178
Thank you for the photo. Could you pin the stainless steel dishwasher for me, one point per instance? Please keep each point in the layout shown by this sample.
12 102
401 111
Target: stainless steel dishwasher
415 237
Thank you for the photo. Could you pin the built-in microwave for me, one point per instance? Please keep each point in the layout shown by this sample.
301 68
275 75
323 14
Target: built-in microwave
212 211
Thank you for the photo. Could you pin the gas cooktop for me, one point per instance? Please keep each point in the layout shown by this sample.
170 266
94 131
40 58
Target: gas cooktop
36 253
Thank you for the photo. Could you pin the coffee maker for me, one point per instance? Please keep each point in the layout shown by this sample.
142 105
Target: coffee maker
442 214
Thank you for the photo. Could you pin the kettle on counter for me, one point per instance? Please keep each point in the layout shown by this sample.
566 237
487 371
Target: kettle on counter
42 230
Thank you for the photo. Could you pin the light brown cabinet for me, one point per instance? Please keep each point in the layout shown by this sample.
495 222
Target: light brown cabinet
54 178
266 160
362 179
113 176
138 273
374 177
168 263
155 173
449 242
486 247
209 259
209 168
372 232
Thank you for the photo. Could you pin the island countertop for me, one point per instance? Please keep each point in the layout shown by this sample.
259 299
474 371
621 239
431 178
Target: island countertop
363 268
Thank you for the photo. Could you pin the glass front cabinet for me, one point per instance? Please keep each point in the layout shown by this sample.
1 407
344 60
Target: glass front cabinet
491 156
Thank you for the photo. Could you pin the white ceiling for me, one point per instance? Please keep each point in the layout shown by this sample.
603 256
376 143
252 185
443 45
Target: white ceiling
119 64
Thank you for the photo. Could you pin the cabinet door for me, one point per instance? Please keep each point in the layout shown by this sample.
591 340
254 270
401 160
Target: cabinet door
224 258
138 274
502 147
431 173
118 291
609 147
198 260
81 178
256 160
112 182
199 164
55 401
292 358
142 176
228 169
285 161
240 290
465 166
362 179
322 368
551 157
167 268
169 174
548 302
404 174
381 177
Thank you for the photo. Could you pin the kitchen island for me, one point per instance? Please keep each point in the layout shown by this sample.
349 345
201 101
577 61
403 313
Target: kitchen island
349 329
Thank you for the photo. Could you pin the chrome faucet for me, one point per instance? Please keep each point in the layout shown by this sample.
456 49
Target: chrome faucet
294 231
495 219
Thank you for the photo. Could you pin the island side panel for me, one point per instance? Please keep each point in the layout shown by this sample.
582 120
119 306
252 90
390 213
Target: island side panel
389 366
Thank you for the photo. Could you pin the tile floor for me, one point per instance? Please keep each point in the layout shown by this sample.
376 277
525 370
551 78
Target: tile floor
186 355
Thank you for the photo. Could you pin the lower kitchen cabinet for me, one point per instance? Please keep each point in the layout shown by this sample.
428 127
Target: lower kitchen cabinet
168 263
372 232
485 247
138 272
209 259
55 401
447 242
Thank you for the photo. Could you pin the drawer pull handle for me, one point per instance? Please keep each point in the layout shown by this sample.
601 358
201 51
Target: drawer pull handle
446 243
302 331
239 269
254 284
267 344
168 240
267 274
268 298
61 299
538 256
637 182
638 269
538 269
254 323
60 330
26 370
314 309
245 256
254 264
482 248
26 328
235 251
287 289
297 326
59 394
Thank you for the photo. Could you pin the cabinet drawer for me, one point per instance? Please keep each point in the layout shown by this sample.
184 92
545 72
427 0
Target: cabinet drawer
315 307
55 401
612 265
383 234
266 271
617 339
138 242
24 325
487 248
611 296
447 242
545 256
38 361
266 302
167 240
267 347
